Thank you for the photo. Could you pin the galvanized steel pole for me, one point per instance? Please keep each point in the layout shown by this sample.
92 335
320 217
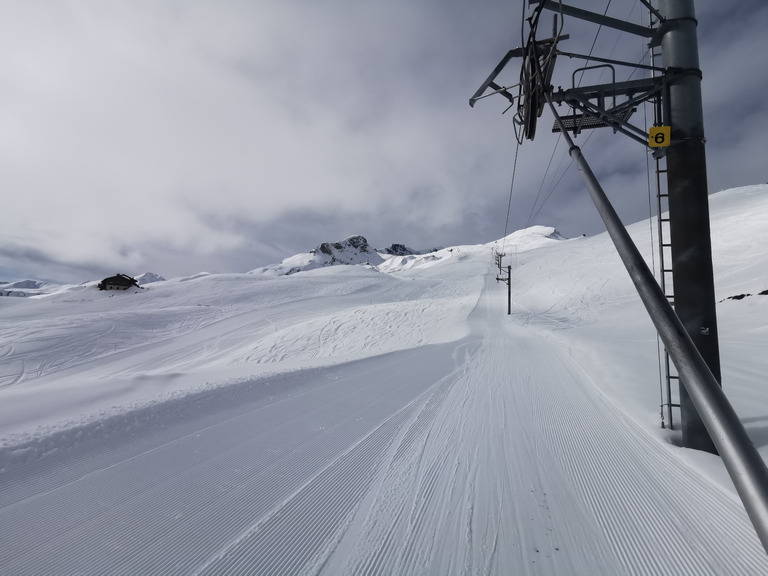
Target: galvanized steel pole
509 290
692 274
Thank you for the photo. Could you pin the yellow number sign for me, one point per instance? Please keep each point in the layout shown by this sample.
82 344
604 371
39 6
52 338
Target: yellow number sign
659 136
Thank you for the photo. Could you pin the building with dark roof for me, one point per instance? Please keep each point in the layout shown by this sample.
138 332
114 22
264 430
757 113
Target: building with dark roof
118 282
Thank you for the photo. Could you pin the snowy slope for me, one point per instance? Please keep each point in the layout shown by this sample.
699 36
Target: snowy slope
149 278
24 288
352 250
376 420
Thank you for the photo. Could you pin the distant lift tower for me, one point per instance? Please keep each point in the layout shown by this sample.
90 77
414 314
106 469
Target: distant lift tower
675 90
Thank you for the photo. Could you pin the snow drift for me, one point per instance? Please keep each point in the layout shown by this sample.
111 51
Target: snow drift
384 418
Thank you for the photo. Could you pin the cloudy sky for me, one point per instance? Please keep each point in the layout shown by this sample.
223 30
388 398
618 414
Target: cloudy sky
177 136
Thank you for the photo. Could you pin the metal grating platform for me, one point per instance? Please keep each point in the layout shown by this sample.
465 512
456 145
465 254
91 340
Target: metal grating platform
579 122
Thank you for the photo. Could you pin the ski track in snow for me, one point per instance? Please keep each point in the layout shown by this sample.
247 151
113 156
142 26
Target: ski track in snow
491 455
408 427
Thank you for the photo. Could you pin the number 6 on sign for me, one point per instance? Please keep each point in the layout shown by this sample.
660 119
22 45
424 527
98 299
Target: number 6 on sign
659 136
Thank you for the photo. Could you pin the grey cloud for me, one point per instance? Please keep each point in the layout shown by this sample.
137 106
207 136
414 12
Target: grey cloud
185 136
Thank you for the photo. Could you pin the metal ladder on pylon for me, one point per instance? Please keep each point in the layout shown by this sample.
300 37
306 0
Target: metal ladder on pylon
665 276
665 281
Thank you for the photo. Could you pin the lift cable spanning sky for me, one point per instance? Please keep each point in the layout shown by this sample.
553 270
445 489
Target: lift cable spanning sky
689 332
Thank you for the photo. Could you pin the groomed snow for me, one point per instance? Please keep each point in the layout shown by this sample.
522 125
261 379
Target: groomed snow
377 420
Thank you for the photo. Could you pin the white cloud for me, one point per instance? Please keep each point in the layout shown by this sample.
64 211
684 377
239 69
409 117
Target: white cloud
137 130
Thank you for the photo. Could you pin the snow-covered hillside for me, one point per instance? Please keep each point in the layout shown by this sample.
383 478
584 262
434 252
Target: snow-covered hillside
387 417
352 250
24 288
149 278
